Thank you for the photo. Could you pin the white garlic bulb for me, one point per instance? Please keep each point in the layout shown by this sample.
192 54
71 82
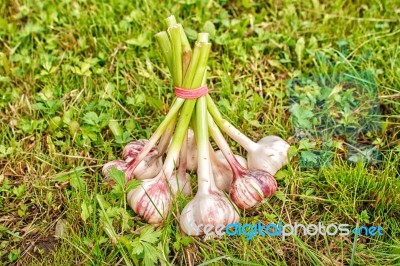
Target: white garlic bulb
207 209
270 154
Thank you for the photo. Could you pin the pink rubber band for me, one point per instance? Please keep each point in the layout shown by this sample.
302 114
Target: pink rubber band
191 94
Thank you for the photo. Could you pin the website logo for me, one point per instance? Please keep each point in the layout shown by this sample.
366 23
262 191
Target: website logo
286 230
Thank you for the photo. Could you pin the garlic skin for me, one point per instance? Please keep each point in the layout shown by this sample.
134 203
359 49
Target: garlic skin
119 164
146 169
180 183
251 187
222 171
191 162
207 208
270 154
151 200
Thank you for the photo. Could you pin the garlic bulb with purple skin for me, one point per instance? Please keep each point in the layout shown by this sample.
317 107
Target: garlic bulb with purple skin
148 168
209 206
151 199
222 171
249 186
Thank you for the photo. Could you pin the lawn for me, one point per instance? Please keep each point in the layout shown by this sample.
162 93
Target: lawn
80 79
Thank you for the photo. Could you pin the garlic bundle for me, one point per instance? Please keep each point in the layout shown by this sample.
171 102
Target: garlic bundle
247 182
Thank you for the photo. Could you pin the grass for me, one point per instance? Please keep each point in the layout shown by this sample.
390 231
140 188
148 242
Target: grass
69 68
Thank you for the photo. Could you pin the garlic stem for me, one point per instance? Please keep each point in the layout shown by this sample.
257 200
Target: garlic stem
165 44
191 155
183 157
171 20
205 181
229 129
179 135
191 68
175 35
166 137
216 134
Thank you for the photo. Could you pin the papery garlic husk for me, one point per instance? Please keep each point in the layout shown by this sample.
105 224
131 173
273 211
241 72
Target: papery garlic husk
151 200
207 208
270 156
222 171
251 187
119 164
191 163
180 183
146 169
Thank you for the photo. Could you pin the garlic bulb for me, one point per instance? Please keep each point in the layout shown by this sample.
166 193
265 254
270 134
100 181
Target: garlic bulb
249 186
270 155
148 168
151 200
119 164
180 183
222 171
207 208
191 151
